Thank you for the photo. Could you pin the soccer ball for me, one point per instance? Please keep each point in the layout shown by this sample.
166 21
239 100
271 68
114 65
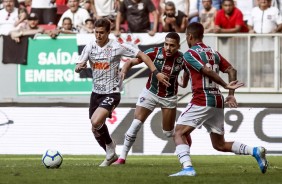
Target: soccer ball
52 159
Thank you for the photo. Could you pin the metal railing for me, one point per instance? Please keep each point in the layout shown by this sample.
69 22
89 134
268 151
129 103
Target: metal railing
257 58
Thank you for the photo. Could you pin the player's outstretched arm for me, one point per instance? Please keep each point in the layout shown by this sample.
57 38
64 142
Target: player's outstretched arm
128 65
234 85
147 60
216 78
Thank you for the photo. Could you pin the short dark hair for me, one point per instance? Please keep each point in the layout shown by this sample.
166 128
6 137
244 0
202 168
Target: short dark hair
232 1
67 18
196 29
103 22
173 35
89 20
170 3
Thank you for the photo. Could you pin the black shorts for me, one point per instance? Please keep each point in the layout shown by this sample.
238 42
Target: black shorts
106 101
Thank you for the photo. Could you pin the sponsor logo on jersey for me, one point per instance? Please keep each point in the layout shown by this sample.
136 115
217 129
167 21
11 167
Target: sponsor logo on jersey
100 65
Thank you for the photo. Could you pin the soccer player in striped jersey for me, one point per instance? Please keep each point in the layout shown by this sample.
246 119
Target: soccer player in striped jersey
104 56
207 105
169 61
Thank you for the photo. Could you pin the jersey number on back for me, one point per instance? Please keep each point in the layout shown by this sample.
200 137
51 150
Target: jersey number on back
208 82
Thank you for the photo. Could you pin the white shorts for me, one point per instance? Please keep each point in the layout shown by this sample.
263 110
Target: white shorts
150 101
210 117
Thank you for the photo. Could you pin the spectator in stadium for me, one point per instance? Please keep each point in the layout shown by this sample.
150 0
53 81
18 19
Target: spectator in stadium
27 5
46 11
189 7
207 16
265 18
229 19
215 3
169 61
182 5
173 20
67 27
104 56
88 5
105 8
8 17
31 29
207 105
88 27
22 18
136 13
78 15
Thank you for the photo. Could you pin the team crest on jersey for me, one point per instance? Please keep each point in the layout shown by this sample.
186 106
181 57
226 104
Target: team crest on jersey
179 60
140 6
160 56
142 99
108 52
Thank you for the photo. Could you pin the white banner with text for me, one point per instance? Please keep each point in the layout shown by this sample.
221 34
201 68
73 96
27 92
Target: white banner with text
32 130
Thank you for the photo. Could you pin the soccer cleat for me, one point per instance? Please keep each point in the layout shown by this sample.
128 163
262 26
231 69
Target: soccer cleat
259 154
119 161
110 150
188 171
106 162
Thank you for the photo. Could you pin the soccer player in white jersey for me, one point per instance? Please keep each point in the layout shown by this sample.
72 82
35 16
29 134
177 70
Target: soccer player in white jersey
207 105
104 56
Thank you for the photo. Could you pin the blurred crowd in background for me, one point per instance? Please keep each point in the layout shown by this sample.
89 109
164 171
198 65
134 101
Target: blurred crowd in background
28 17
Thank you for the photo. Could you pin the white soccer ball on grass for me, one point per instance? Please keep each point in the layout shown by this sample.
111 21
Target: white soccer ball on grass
52 159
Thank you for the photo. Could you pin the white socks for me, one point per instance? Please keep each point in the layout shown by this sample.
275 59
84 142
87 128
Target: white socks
241 149
183 154
130 137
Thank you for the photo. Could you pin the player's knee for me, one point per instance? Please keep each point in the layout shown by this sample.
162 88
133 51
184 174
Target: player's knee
168 133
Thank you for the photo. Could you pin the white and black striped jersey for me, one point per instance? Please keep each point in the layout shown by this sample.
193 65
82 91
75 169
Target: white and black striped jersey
104 62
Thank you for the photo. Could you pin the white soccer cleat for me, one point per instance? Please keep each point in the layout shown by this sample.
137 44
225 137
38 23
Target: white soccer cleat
188 171
106 162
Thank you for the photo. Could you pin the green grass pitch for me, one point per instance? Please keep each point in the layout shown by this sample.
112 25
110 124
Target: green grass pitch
28 169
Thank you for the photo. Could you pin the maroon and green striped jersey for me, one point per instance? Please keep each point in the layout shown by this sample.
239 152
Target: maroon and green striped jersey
170 66
205 91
